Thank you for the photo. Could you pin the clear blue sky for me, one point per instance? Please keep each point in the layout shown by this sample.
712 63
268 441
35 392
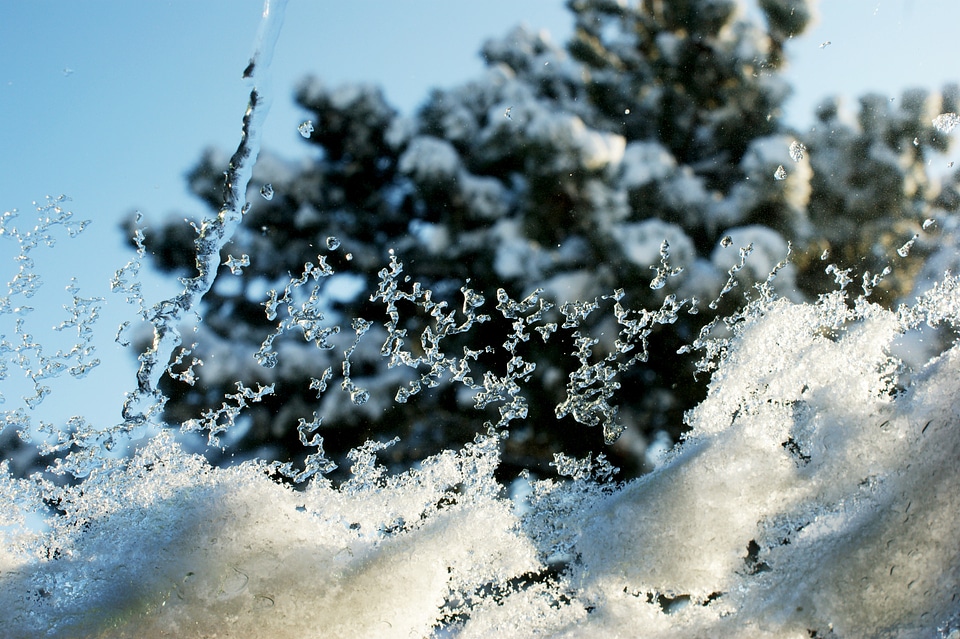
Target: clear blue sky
112 101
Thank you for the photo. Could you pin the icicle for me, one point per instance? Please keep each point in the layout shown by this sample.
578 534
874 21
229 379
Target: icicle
213 233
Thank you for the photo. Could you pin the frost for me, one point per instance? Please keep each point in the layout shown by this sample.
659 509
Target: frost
20 347
267 191
780 173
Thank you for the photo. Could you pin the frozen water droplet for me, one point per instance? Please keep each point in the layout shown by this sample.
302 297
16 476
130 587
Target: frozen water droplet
359 397
825 255
796 151
235 265
928 223
945 122
348 256
306 128
904 250
780 173
726 242
916 141
506 113
267 191
626 111
333 243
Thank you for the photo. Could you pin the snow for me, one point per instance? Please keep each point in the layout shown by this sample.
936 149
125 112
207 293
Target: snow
811 493
814 494
429 159
571 138
485 197
645 162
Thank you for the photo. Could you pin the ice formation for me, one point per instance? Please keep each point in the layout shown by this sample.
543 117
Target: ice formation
815 493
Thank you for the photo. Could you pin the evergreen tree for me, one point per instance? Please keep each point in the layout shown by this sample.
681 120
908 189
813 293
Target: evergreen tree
563 170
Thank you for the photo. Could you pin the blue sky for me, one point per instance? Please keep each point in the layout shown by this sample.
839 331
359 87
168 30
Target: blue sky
112 101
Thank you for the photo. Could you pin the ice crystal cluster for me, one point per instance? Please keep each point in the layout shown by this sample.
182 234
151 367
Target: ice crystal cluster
813 495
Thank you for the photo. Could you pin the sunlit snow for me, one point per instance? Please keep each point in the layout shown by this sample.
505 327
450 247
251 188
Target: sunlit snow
815 493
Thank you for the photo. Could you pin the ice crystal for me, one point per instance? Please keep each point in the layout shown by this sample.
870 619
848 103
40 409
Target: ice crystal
236 265
904 250
797 150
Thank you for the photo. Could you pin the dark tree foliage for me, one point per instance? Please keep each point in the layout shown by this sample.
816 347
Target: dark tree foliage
563 170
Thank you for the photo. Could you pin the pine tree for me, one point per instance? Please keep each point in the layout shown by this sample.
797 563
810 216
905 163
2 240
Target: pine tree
563 170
